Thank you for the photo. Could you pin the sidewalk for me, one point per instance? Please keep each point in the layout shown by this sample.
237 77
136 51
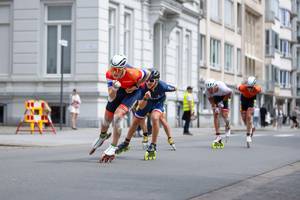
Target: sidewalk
82 136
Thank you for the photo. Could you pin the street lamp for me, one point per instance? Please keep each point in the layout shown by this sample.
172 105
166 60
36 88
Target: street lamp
62 43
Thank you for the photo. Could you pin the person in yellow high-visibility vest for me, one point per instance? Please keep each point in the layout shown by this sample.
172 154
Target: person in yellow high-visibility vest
188 109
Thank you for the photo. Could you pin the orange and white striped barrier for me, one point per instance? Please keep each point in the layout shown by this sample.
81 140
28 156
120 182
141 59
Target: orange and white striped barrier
35 115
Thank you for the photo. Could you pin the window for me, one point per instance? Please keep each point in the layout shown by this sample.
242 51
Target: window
128 46
205 101
239 18
298 58
112 30
178 57
1 113
215 10
203 7
275 40
273 6
202 50
58 26
228 58
284 79
55 113
187 71
285 18
275 74
272 42
228 13
238 61
5 38
285 48
215 49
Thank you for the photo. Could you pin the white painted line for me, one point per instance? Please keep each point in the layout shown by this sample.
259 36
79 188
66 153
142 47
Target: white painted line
284 135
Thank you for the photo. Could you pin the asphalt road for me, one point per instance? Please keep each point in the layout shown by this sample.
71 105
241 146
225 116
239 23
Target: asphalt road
268 170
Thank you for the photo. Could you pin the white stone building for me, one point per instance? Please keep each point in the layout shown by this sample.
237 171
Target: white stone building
296 53
152 33
280 39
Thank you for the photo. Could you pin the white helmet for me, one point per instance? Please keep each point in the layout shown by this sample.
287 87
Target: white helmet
251 81
118 61
210 83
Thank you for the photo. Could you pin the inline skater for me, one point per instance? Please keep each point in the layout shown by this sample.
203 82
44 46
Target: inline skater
153 103
123 90
248 90
218 94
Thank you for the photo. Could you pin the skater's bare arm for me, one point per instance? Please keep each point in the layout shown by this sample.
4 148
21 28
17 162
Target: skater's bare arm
143 102
113 87
112 93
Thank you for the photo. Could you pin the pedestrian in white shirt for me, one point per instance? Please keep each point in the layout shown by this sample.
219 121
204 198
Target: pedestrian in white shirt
74 108
256 114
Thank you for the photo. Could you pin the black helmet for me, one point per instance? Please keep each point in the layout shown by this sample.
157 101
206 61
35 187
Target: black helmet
154 74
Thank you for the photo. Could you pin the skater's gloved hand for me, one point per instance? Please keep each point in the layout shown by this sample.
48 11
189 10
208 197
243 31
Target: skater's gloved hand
147 95
216 110
220 105
116 84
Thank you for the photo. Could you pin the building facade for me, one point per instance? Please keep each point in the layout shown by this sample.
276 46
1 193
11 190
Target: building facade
231 44
152 33
187 40
296 54
281 17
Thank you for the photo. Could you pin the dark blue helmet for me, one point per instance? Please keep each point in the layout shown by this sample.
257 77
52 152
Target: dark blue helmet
154 75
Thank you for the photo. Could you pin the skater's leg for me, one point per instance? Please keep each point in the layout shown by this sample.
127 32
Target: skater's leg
165 125
155 116
144 127
243 114
118 116
108 117
249 120
216 122
167 129
225 114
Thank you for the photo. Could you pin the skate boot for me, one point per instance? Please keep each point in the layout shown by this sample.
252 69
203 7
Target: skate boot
172 143
217 143
145 142
99 141
249 140
109 154
123 147
150 154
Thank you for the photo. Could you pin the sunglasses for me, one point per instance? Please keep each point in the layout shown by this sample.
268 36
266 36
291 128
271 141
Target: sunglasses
151 80
117 70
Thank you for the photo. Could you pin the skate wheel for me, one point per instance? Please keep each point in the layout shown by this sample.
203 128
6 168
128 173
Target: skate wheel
221 145
213 146
146 156
92 151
